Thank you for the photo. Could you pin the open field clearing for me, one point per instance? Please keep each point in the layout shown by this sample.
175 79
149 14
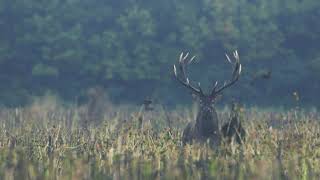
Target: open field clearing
50 141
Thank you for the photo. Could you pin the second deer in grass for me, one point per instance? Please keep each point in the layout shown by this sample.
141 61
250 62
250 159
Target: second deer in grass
206 125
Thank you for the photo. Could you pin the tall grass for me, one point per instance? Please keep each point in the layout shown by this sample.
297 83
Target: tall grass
48 140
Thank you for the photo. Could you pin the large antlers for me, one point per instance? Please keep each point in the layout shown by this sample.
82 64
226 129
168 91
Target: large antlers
235 74
184 80
183 62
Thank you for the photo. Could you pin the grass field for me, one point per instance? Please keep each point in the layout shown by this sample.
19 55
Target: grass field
47 140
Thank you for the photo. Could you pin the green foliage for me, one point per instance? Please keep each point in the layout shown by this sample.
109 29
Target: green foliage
43 70
134 42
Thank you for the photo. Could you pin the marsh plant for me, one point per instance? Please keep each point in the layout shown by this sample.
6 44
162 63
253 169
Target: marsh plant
46 141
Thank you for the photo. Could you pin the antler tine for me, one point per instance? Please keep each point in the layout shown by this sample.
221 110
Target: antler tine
235 74
175 70
228 58
200 88
214 87
190 61
236 55
185 80
237 70
185 57
182 63
181 57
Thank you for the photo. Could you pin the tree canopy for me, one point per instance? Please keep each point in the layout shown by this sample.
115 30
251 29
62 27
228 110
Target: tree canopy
129 47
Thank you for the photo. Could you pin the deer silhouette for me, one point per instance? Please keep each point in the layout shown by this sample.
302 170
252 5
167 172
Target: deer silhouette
233 129
206 127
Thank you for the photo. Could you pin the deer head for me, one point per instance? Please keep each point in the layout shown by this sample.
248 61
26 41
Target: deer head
207 124
206 101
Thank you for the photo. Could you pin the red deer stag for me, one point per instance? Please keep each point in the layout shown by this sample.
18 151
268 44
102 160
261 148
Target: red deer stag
206 125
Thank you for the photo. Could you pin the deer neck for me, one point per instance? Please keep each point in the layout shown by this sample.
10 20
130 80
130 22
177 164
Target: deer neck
207 122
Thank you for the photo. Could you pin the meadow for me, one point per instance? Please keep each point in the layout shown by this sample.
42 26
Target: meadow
49 140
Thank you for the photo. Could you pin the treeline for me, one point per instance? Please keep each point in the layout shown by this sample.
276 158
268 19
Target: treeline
129 47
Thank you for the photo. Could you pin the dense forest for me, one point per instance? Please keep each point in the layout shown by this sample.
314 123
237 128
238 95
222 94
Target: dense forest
128 47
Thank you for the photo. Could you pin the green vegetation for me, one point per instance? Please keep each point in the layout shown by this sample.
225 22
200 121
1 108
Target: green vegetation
69 46
49 141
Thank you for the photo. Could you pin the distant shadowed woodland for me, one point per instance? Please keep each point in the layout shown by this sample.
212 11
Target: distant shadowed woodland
128 48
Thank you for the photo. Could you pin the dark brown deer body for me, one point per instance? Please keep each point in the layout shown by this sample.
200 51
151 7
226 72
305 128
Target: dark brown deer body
206 127
206 124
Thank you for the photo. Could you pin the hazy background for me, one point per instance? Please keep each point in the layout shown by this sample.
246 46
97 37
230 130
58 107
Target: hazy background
127 47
